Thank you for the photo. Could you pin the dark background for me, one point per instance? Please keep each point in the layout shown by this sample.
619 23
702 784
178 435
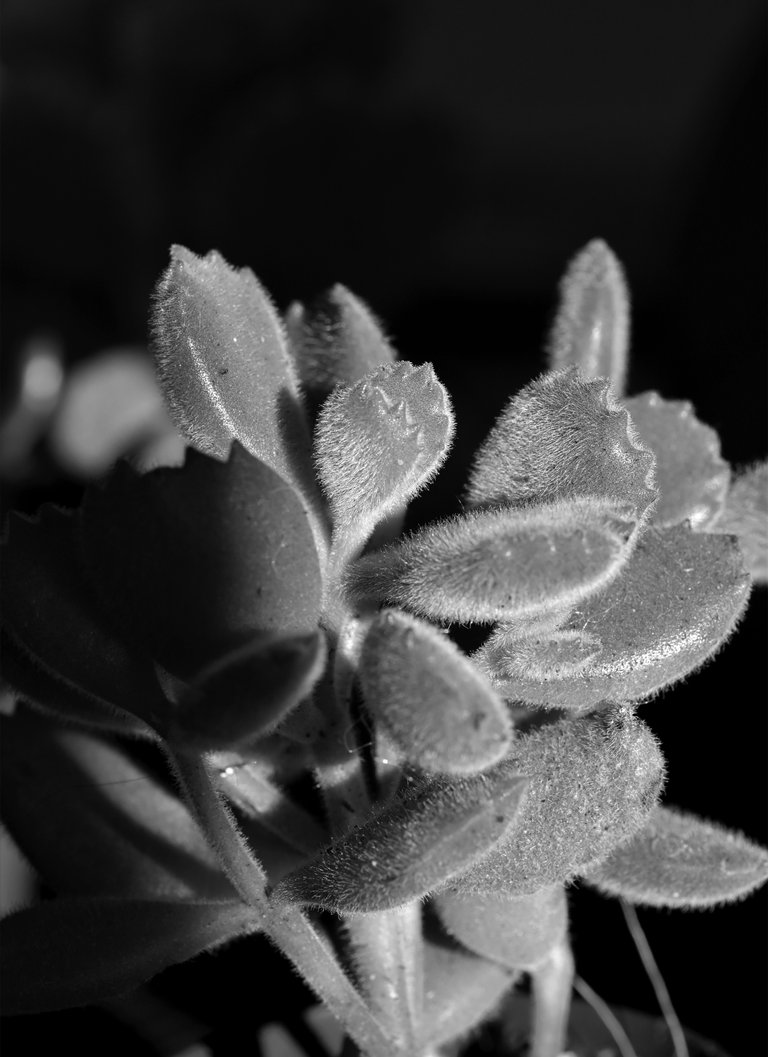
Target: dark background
444 160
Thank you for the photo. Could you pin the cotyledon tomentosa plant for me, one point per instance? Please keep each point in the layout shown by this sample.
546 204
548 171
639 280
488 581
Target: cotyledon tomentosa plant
254 613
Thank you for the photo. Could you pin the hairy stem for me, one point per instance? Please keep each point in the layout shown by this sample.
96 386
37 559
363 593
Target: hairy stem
551 988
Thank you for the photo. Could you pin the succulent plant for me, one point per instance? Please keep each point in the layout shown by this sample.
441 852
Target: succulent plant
257 616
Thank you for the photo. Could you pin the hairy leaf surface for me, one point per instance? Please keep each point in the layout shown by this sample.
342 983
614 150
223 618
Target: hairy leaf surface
591 329
593 783
691 475
746 516
75 952
197 560
434 703
415 844
679 860
491 565
563 437
677 600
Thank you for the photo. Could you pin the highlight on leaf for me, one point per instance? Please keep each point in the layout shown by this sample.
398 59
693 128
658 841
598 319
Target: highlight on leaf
678 860
60 638
378 443
746 515
435 705
691 475
563 437
336 340
247 693
224 367
195 561
677 600
492 565
591 328
594 782
120 944
517 931
416 843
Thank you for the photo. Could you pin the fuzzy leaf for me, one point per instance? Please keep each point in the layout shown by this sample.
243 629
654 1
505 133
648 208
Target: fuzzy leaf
379 442
460 991
74 952
593 783
94 822
335 341
518 931
195 561
248 692
675 603
224 367
491 565
563 437
591 329
691 475
58 627
679 860
436 706
539 656
746 516
416 843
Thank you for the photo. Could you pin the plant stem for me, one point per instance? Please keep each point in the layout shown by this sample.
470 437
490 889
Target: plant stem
218 825
551 989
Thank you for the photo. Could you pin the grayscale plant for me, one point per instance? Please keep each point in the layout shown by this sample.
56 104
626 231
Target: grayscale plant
257 615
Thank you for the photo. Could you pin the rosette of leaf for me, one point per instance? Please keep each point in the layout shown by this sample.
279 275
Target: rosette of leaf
681 591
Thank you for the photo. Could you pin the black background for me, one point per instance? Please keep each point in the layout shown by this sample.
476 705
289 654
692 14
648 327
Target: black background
444 160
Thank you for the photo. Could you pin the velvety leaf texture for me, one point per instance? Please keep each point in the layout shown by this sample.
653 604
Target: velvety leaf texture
74 952
380 441
247 693
560 437
58 626
93 822
518 931
460 991
492 565
746 516
593 783
224 366
591 329
415 844
676 601
336 340
434 703
195 561
679 860
691 475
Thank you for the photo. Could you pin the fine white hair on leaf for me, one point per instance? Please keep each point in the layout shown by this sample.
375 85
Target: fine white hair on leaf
591 328
563 436
501 564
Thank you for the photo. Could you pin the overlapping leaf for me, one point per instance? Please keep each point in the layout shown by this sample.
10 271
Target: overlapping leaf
677 599
224 366
691 475
415 844
593 783
440 711
591 329
518 931
63 651
491 565
679 860
196 561
563 437
746 516
248 692
74 952
334 341
94 822
379 442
